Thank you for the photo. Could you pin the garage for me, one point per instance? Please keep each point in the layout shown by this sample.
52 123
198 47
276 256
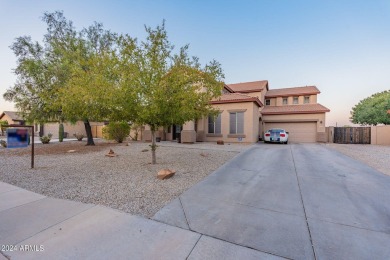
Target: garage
299 132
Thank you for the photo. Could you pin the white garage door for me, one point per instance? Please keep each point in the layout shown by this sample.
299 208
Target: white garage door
305 132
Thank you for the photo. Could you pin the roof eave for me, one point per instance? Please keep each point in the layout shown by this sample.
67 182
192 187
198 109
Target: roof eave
255 100
295 112
228 89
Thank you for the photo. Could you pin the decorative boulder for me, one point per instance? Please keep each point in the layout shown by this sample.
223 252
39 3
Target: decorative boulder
220 142
111 153
165 174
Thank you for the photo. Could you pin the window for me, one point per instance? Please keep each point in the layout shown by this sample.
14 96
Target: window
237 123
306 100
215 124
267 102
285 102
295 100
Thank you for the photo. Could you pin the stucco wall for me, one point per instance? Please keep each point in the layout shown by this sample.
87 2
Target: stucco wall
251 119
8 119
380 135
278 101
68 127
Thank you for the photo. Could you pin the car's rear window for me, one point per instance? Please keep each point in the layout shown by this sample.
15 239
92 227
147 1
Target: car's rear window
276 131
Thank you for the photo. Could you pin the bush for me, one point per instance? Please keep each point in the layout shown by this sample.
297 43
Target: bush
117 131
46 139
3 143
79 137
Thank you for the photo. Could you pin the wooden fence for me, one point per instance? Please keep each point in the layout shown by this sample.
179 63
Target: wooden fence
352 135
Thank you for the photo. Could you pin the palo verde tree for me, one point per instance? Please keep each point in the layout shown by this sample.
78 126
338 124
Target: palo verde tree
372 110
166 88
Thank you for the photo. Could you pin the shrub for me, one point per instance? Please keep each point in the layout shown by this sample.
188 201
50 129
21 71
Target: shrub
117 131
78 136
3 143
46 139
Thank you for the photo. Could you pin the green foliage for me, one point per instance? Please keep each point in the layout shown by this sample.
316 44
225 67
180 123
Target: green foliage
117 131
372 110
41 71
78 136
46 138
61 132
136 128
2 124
96 75
161 88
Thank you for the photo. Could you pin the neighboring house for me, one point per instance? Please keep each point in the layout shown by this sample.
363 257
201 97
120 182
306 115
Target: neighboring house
53 127
249 109
12 118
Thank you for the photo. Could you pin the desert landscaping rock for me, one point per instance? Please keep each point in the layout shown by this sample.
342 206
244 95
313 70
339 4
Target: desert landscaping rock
165 174
127 183
111 153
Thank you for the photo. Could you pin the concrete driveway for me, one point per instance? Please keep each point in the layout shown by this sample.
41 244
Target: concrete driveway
299 201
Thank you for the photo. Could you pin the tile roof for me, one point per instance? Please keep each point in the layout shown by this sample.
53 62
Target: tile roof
294 109
235 98
245 87
13 115
308 90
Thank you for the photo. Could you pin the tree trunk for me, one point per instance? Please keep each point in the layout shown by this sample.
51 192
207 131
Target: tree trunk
154 146
88 130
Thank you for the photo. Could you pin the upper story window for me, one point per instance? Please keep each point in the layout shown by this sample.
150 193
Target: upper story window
285 101
306 100
295 100
215 124
267 102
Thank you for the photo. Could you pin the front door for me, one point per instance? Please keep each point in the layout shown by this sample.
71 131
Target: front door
176 131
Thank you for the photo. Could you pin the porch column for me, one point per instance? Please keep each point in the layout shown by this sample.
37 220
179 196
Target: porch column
147 134
188 134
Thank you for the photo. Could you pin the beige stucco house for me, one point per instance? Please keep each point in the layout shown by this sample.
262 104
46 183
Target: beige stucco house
12 118
296 110
249 109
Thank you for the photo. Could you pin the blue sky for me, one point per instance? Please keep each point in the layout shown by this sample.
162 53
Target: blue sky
342 47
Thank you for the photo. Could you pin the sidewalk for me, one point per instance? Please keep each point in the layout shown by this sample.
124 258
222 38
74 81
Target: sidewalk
34 226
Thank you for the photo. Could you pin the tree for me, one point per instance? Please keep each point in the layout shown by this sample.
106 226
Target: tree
3 124
55 76
166 88
372 110
40 72
90 92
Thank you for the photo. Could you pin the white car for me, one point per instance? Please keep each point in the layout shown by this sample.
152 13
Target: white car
276 135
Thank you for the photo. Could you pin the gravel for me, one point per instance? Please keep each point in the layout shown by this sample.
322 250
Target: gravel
126 182
376 156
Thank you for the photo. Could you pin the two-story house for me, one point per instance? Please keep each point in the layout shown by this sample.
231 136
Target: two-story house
247 110
296 110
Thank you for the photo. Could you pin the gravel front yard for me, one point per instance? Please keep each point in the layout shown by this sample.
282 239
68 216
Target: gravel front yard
376 156
127 182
